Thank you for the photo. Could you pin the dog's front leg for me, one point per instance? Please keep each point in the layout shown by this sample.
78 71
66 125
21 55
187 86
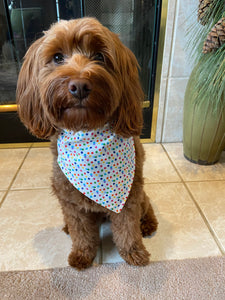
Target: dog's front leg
128 237
83 228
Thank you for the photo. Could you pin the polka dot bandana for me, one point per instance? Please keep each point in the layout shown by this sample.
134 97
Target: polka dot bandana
99 163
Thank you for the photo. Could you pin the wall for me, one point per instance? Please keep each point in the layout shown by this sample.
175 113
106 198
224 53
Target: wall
176 69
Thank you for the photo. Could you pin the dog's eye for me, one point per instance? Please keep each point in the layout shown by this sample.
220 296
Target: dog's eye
58 58
99 57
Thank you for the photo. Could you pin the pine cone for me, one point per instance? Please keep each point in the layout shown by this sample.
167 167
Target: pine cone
216 37
202 9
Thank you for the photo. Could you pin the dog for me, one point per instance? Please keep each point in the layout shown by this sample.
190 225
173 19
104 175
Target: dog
79 87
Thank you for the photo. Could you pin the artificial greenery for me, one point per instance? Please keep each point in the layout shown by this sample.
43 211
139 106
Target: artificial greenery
197 33
209 76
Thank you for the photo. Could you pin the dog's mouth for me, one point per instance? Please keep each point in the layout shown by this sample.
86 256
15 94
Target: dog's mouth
81 117
77 106
74 106
72 113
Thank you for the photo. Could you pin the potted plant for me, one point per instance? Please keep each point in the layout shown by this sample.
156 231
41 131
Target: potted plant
204 104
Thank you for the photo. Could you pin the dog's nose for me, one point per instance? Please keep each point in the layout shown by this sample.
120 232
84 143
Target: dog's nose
79 88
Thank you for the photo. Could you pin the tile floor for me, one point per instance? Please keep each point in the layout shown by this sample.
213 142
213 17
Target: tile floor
189 201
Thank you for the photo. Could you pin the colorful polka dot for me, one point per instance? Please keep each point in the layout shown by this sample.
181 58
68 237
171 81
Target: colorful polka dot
97 173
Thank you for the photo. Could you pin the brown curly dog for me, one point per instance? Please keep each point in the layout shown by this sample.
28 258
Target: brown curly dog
77 80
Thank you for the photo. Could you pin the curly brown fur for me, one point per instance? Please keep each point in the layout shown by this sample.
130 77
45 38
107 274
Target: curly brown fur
83 51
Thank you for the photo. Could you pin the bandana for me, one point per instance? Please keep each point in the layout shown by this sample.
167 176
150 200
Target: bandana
99 163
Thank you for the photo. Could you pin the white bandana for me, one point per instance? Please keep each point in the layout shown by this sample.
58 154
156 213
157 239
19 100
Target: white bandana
99 163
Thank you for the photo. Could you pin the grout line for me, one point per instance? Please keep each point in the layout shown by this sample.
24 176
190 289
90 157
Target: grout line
167 154
14 177
212 232
30 188
205 180
181 181
161 182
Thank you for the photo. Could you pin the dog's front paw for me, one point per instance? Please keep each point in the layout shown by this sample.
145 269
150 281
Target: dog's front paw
66 229
80 260
148 226
136 255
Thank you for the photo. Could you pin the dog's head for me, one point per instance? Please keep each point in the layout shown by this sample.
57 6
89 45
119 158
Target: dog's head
79 76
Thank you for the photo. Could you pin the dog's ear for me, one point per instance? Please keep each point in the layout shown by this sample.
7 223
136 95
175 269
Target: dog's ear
30 108
129 118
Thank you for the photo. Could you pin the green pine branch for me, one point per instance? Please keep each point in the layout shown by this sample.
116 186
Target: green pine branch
208 80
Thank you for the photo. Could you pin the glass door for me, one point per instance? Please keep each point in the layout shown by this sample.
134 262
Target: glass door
23 21
137 23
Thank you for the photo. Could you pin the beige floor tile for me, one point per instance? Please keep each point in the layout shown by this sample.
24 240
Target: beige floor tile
36 170
193 172
10 160
182 232
31 237
211 199
157 167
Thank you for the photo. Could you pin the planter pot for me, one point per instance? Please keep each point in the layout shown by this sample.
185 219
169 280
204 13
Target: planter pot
203 128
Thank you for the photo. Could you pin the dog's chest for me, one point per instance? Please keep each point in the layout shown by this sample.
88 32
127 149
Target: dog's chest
99 163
